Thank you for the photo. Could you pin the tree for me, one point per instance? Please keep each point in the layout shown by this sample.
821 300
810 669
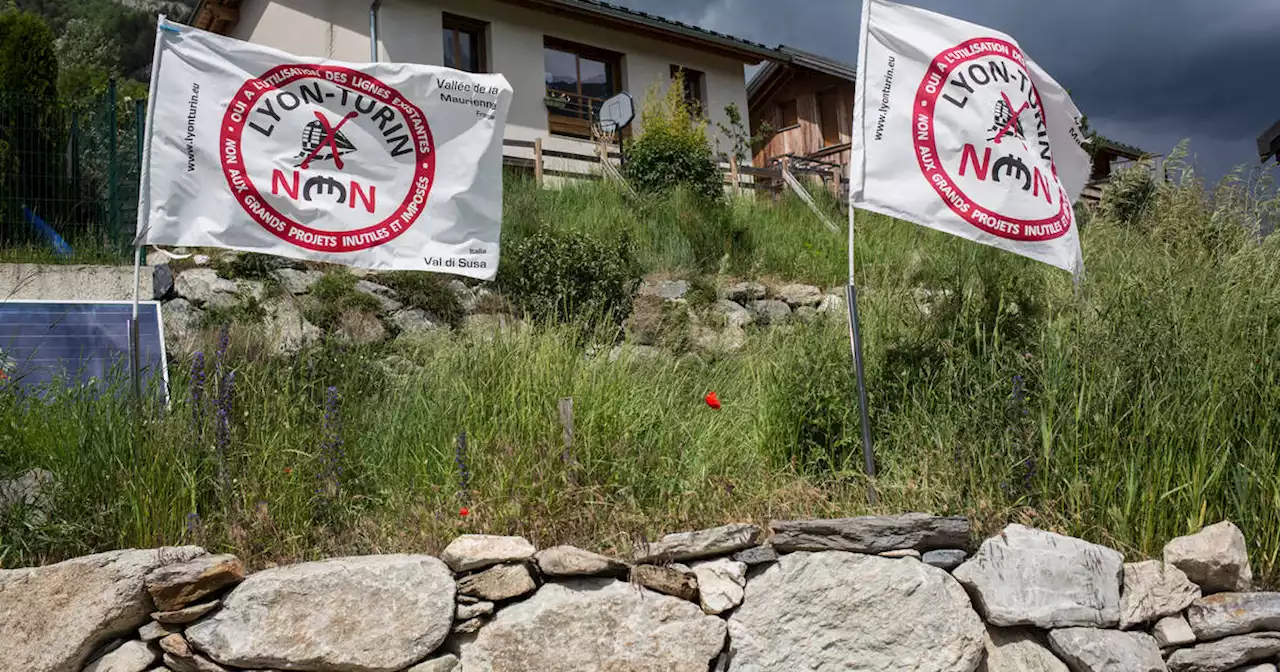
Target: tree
29 132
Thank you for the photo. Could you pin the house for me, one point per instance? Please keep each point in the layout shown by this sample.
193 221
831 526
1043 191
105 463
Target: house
563 58
807 101
1269 144
1110 156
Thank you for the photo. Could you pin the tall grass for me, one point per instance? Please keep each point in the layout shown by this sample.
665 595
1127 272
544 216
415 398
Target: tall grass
1137 408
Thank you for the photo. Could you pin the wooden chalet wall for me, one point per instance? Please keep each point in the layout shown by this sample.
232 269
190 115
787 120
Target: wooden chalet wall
804 138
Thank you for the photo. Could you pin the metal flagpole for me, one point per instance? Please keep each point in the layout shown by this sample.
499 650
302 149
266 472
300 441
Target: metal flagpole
855 333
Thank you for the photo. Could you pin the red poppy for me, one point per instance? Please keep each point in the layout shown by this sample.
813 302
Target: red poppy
713 401
464 511
288 470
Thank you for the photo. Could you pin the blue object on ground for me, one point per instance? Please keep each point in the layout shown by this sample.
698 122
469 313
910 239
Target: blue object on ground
60 246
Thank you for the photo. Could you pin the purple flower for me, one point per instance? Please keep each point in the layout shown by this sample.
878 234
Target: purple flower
331 447
464 473
197 396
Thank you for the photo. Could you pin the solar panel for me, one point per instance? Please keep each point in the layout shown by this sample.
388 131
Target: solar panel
79 343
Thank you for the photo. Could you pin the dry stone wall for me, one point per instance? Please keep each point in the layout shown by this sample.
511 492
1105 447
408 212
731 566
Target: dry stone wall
868 593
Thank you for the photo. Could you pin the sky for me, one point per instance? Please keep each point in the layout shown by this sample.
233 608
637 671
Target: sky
1147 73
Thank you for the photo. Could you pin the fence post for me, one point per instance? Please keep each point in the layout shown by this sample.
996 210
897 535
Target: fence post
112 177
537 161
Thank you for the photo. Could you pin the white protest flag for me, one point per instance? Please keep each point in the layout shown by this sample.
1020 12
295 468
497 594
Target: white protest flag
957 129
380 166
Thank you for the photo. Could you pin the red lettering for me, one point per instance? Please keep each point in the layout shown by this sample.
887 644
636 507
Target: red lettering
1042 180
368 199
979 168
279 181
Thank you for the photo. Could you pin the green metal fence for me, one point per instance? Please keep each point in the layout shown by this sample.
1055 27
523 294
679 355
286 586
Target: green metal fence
70 169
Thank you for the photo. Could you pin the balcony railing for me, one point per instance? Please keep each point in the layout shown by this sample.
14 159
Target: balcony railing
570 113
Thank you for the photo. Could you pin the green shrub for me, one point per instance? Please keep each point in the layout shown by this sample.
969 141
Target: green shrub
1129 195
251 265
559 275
335 294
672 148
427 291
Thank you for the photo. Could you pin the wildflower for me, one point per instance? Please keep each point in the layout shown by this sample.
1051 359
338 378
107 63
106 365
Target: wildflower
712 400
197 396
464 474
464 512
288 470
331 447
223 429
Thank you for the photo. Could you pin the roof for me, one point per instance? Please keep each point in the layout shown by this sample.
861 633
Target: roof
1118 147
1269 143
222 15
796 58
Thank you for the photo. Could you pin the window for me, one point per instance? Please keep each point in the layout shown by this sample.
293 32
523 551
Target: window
694 87
829 116
579 79
787 115
464 44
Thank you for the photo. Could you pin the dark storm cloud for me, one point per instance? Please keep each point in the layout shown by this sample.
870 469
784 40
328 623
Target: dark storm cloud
1146 72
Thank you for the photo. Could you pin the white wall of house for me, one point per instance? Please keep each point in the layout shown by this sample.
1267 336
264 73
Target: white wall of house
411 31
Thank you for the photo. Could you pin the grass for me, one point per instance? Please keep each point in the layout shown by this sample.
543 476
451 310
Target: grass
1139 408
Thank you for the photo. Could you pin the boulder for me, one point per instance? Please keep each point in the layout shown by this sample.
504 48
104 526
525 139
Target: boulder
570 561
29 495
902 553
286 328
130 657
758 555
468 626
445 663
734 314
871 534
153 631
668 290
173 587
944 558
834 303
1095 650
1153 590
355 614
721 584
54 616
743 292
413 321
196 663
671 581
495 584
1173 631
176 645
729 339
361 328
296 282
800 295
1225 654
840 611
162 282
468 611
185 615
1260 667
1225 614
1019 650
477 551
385 295
1025 576
596 624
770 311
716 541
1215 558
202 286
466 297
181 325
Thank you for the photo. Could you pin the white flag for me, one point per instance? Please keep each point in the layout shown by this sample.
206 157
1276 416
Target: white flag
957 129
381 166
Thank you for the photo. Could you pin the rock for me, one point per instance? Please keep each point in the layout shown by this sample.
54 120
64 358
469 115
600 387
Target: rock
1153 590
770 311
477 551
1215 558
445 663
385 295
902 553
54 616
734 314
181 325
743 292
286 328
361 328
729 339
153 631
834 303
800 295
1094 650
1260 667
667 580
186 615
634 352
498 583
130 657
195 663
596 624
871 534
807 314
358 614
570 561
680 546
1173 631
253 289
296 282
488 326
1025 576
162 282
466 611
721 584
200 260
1019 650
202 286
1225 654
944 558
758 555
29 495
468 627
413 321
841 611
173 587
176 645
1225 614
466 297
669 290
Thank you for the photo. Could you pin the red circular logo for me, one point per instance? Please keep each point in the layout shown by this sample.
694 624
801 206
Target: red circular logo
1008 185
349 160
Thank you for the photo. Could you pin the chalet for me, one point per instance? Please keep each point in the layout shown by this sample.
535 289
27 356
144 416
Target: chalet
807 102
1110 156
1269 144
563 58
